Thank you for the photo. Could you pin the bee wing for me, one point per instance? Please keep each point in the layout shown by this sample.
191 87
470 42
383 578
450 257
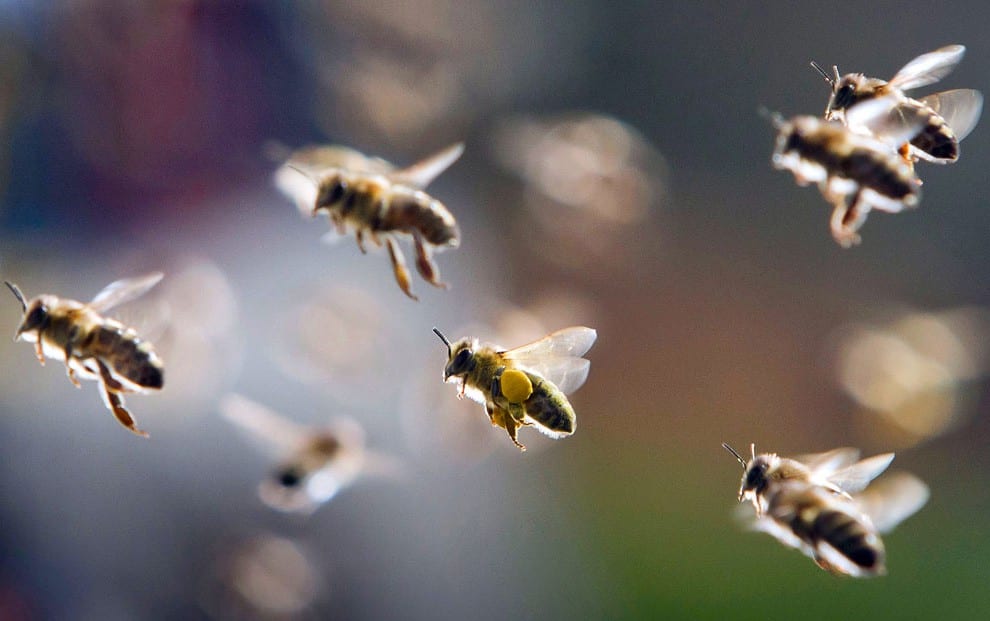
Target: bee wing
961 109
557 357
124 290
928 68
275 434
299 185
824 464
893 499
856 477
317 159
884 119
423 172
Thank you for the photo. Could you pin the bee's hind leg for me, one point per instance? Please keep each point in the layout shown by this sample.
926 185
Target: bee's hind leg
69 370
847 218
399 267
424 262
505 420
359 236
115 402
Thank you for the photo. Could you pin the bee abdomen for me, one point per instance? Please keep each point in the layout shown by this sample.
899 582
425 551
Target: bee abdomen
129 356
937 140
549 407
850 537
417 211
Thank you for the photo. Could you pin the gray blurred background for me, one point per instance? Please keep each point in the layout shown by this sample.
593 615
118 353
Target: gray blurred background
616 175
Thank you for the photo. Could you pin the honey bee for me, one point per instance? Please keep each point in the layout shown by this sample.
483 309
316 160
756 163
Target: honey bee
92 346
819 504
375 200
314 464
526 385
948 117
854 172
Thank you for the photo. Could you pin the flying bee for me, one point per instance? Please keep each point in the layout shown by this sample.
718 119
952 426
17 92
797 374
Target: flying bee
819 505
313 464
92 346
948 117
523 386
836 471
854 172
375 200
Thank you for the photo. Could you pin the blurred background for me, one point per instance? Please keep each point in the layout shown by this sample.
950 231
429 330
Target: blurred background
616 175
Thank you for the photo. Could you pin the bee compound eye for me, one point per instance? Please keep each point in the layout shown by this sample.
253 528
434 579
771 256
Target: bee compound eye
289 477
460 360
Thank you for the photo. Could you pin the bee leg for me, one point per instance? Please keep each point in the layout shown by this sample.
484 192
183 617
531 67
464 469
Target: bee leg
359 236
505 420
39 352
424 263
338 223
847 218
115 402
905 153
399 267
69 370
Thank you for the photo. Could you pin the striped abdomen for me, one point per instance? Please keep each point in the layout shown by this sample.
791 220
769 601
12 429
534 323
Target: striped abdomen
549 407
821 520
847 155
416 211
125 353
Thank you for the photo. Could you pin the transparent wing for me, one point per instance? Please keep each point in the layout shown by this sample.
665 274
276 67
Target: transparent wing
884 119
557 357
893 499
298 185
824 464
961 109
422 173
273 433
121 291
928 68
856 477
318 159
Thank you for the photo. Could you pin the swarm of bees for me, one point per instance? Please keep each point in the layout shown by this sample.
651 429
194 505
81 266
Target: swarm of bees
820 505
373 199
92 346
862 153
525 386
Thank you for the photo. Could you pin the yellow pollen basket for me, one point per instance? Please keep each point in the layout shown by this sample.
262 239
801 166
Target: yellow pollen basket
516 386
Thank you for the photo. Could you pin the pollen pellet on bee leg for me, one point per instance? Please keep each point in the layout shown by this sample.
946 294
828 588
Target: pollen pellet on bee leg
516 385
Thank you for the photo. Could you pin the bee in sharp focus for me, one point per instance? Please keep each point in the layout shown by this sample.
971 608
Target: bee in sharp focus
314 464
854 173
948 117
523 386
93 346
819 504
375 200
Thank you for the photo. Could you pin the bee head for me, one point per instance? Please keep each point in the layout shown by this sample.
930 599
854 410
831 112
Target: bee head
754 479
460 356
332 188
35 313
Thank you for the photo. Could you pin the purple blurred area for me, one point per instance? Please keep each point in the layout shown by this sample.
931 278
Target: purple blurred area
616 175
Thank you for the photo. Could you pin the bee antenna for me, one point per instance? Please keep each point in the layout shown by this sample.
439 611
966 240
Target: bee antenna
444 339
304 173
825 74
17 294
734 454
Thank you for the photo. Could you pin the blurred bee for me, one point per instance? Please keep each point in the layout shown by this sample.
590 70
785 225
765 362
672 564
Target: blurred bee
92 346
947 117
314 464
855 173
526 385
373 199
819 504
